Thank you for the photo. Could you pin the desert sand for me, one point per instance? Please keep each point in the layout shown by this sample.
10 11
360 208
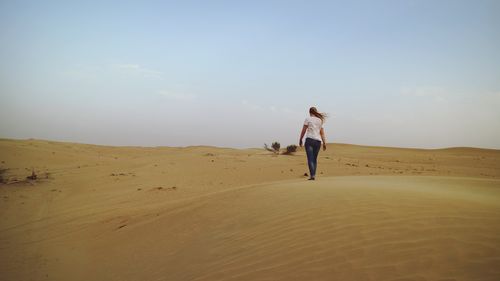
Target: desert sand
207 213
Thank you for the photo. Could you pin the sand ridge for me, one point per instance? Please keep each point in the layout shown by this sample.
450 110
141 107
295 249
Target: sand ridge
205 213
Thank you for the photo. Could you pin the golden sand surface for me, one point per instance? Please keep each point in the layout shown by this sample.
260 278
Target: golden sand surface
207 213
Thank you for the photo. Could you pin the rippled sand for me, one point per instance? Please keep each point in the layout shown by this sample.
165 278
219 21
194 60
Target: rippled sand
204 213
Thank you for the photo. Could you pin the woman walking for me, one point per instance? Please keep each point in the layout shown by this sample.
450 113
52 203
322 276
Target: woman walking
313 130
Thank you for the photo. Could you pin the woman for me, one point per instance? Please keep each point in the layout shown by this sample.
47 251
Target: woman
313 125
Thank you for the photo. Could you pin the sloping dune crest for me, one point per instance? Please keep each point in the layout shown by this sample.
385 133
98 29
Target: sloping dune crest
202 213
343 228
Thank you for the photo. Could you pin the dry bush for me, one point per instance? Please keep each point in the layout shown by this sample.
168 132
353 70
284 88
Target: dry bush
2 179
275 147
290 149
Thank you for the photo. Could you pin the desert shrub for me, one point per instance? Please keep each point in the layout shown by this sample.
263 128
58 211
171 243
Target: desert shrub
33 176
291 149
266 147
2 179
276 146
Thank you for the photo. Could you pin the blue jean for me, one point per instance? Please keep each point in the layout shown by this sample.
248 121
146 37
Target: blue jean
312 147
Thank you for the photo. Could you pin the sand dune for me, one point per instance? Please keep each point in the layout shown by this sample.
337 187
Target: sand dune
204 213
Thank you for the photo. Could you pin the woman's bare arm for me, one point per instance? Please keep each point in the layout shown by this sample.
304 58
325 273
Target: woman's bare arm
322 133
304 129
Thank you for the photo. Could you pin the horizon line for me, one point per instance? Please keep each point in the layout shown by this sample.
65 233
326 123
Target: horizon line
246 148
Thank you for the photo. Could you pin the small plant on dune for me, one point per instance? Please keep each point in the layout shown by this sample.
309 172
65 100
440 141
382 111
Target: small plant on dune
33 175
290 149
2 172
266 147
275 147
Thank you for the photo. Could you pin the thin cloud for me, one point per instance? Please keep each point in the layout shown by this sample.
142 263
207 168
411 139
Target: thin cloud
246 104
270 108
437 94
127 66
177 96
138 69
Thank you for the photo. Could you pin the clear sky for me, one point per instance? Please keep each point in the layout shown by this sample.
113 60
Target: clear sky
410 73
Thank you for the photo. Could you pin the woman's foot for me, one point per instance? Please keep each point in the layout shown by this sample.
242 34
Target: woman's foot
311 179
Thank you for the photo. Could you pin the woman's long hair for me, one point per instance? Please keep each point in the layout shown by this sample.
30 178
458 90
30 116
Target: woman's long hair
320 115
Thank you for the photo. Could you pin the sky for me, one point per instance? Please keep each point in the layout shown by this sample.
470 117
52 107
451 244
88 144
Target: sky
239 74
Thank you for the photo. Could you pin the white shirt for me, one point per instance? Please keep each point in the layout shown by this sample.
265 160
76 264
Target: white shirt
314 125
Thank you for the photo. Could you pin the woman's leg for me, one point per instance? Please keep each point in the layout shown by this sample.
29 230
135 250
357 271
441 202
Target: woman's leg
309 147
317 147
